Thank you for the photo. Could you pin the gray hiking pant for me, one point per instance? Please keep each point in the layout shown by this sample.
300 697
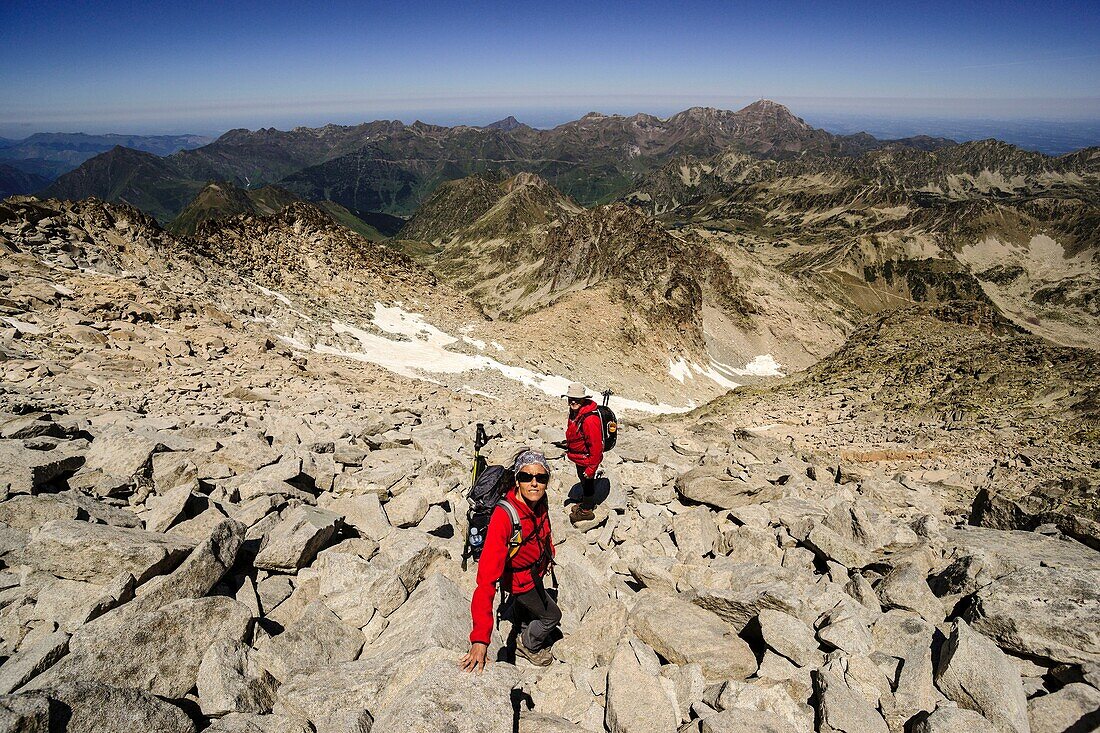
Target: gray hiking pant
537 615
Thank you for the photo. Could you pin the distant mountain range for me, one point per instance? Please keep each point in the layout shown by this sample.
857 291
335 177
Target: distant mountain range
49 154
14 181
390 167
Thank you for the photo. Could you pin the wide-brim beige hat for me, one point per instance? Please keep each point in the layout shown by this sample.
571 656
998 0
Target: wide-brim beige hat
576 391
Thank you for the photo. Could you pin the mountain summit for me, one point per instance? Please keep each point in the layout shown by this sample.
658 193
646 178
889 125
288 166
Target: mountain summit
508 124
766 111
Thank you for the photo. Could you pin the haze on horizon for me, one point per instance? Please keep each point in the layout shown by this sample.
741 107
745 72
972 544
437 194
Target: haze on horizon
206 67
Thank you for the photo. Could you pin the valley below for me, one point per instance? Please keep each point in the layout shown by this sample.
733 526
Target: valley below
856 481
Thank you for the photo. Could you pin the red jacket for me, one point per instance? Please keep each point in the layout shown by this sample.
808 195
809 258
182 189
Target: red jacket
584 439
534 554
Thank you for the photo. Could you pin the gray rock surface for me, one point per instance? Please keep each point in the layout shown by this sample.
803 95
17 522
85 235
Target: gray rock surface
714 485
953 720
316 638
636 700
745 721
1046 612
842 710
25 713
339 697
252 723
906 587
790 637
684 633
22 666
199 572
230 680
158 651
31 512
436 614
440 698
297 538
93 707
978 676
1075 707
97 552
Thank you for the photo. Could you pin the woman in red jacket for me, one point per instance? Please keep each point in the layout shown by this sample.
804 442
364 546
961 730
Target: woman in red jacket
584 446
518 561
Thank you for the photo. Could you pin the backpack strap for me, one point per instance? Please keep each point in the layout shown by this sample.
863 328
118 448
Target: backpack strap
516 538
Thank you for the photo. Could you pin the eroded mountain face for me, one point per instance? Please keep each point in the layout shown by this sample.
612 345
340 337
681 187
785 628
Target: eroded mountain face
979 221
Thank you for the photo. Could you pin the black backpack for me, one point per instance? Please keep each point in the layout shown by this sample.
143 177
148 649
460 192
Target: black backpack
609 424
490 485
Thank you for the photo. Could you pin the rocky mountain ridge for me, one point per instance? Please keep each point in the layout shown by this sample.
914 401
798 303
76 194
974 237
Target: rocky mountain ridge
219 201
983 220
392 167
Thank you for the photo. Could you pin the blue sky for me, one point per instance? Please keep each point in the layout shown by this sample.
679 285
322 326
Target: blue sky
205 67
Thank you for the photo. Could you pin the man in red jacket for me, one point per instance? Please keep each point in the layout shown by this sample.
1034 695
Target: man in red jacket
583 446
518 561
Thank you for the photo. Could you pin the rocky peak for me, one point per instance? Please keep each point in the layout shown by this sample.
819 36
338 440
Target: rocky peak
765 111
508 124
660 279
520 180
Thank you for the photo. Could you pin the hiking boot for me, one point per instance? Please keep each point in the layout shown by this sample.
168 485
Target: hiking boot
581 513
541 658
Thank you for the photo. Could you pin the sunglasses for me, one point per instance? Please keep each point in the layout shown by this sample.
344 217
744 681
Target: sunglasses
523 477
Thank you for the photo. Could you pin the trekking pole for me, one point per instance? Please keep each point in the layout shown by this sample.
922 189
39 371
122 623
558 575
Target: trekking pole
480 439
606 396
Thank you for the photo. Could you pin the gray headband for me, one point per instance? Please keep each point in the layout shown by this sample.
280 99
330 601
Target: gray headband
529 458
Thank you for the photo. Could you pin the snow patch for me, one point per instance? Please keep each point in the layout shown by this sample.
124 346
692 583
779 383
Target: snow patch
476 343
764 365
424 353
715 376
679 369
281 298
470 390
719 373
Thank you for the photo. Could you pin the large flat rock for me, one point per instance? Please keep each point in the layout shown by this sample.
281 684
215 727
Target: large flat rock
294 541
92 707
978 676
317 637
1052 613
98 552
158 652
1015 549
636 700
684 633
26 470
441 698
336 697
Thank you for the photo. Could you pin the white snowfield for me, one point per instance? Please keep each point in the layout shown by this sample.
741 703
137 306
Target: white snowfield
420 352
764 365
